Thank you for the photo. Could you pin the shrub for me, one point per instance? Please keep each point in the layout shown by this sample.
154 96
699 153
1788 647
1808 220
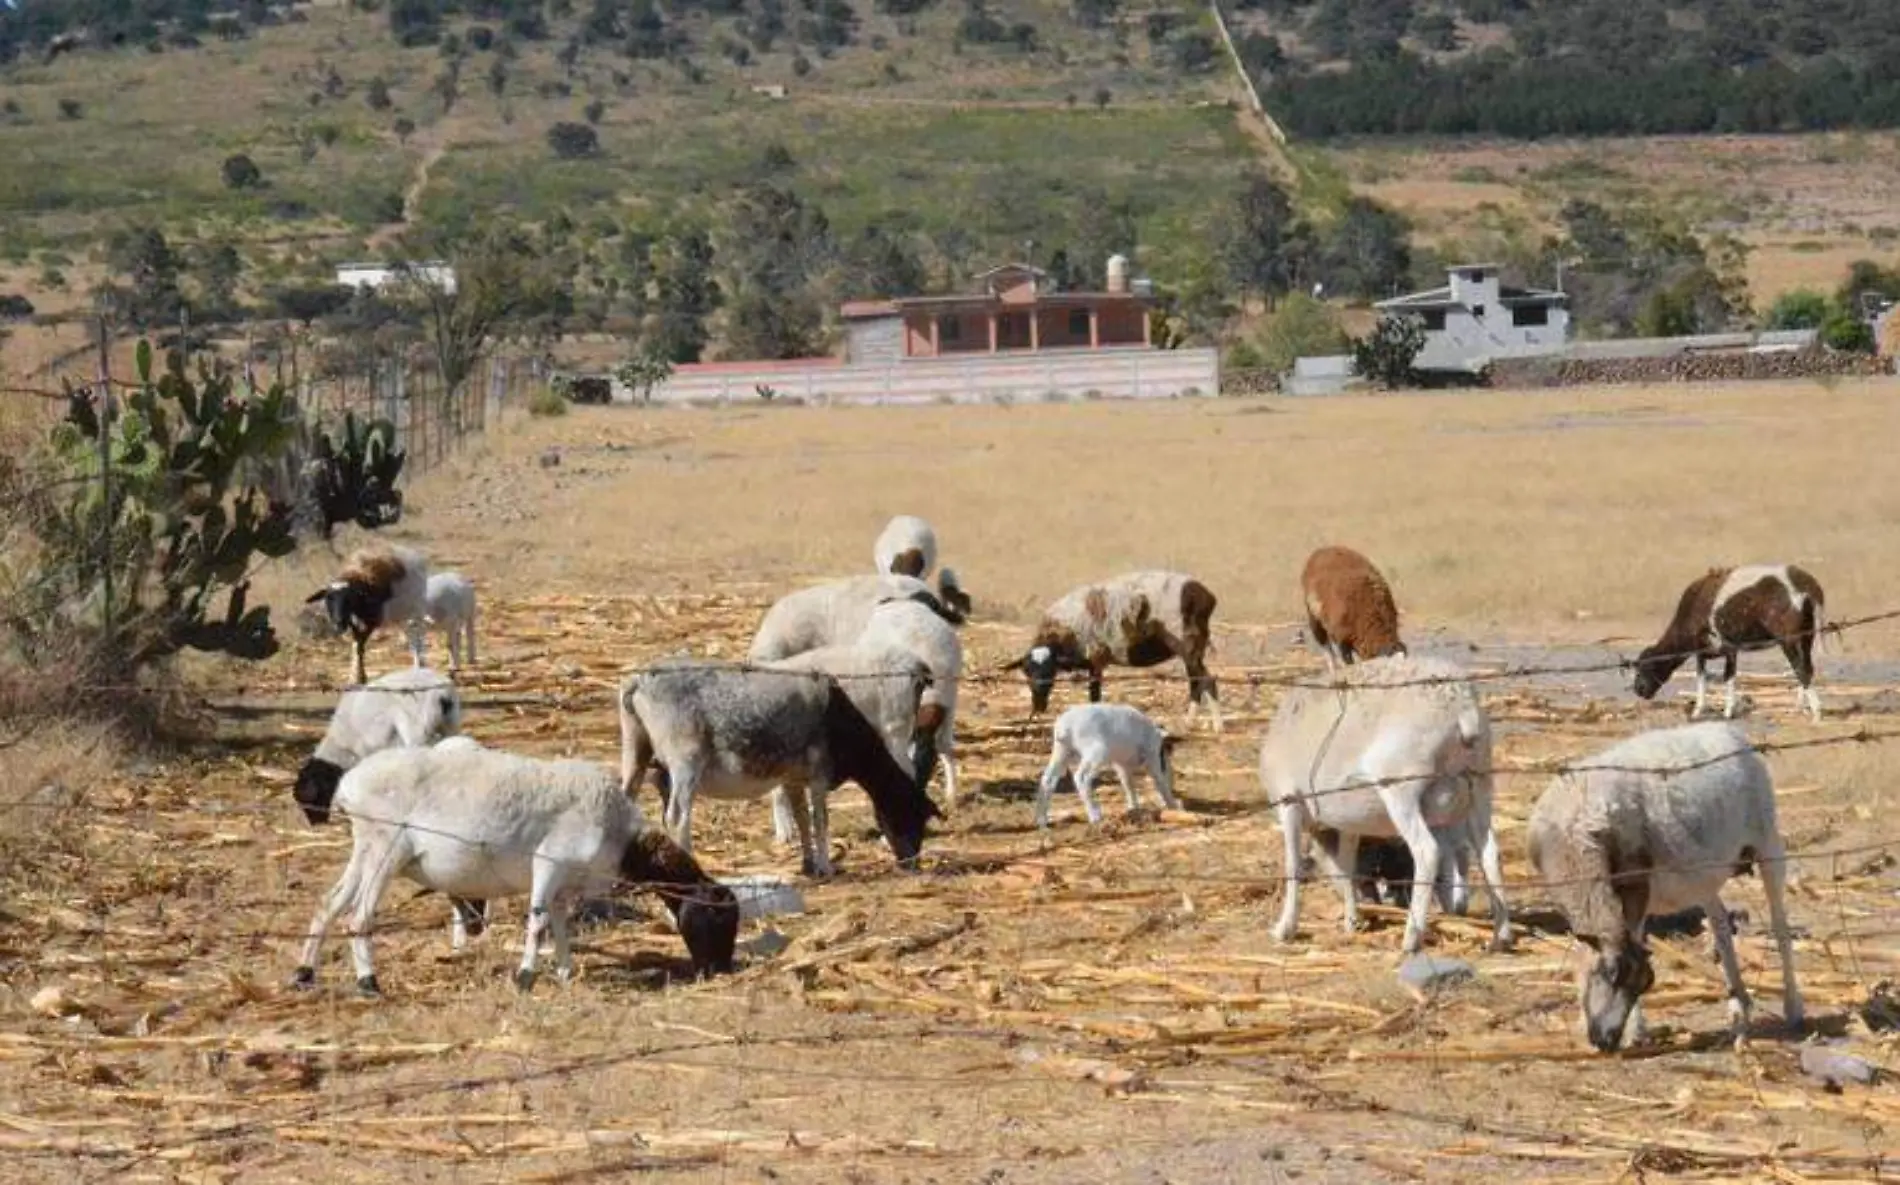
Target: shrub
1801 309
573 141
1301 327
547 401
1842 330
1385 355
241 172
70 109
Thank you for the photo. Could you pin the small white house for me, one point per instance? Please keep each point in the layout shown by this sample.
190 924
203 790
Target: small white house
1474 319
379 275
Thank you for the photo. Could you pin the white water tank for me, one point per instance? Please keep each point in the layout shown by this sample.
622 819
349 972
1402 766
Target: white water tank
1118 273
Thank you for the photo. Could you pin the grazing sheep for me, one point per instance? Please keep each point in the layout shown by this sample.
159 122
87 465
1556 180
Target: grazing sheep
1090 736
1401 746
479 823
1650 826
835 613
376 587
1383 870
912 627
404 709
451 607
887 683
1138 619
1729 610
736 733
1349 608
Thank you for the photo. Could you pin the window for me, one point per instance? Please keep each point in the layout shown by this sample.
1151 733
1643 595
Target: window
950 329
1434 319
1078 322
1531 314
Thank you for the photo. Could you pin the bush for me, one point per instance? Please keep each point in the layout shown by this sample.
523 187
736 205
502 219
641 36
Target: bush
1801 309
1301 327
546 401
241 172
1843 330
573 141
70 109
377 95
1385 355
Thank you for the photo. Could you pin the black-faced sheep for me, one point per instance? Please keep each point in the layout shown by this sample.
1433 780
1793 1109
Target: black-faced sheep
1350 612
1650 826
1729 610
1400 748
1090 737
738 733
479 823
376 587
1138 619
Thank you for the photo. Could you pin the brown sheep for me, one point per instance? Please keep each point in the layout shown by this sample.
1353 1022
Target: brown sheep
1728 610
1137 619
1349 607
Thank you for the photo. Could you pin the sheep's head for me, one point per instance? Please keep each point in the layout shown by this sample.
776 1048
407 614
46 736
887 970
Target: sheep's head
352 607
1609 985
1653 668
316 788
707 917
1040 666
951 593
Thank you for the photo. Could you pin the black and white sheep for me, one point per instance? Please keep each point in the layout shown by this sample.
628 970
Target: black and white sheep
1398 747
907 546
1350 613
375 587
478 823
1138 619
450 607
1090 737
1729 610
835 613
739 732
1652 825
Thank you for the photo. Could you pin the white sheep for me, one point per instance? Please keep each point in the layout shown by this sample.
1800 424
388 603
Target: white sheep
882 679
906 546
406 708
834 614
375 587
451 608
1653 825
1089 737
737 732
1397 746
914 628
479 823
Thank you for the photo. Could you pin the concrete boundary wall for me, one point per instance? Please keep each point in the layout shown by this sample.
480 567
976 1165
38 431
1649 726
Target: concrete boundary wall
1026 378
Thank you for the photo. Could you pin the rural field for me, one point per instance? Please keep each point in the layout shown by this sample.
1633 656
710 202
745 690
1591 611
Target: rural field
1083 1006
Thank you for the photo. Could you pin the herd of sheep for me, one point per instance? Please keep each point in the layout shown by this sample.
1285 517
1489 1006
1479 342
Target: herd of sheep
1385 766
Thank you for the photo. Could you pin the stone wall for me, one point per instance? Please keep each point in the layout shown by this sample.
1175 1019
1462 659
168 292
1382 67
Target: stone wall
1728 366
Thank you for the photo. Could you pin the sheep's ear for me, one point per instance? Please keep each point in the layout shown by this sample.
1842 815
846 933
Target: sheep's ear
317 596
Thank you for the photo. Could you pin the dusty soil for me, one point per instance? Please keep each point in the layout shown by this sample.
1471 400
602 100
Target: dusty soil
1089 1005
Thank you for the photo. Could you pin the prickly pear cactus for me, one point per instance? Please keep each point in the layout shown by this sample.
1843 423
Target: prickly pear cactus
353 474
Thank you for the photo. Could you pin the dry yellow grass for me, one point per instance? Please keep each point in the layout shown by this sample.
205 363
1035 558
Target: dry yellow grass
1086 1007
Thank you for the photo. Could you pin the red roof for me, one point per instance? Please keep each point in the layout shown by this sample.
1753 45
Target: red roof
851 309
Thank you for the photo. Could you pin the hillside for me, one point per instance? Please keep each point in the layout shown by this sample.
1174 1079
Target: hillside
1580 67
965 136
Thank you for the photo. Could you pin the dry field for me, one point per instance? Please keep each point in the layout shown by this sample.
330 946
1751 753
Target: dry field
1080 1007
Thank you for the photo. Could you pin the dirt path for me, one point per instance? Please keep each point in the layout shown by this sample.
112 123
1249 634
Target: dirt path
434 141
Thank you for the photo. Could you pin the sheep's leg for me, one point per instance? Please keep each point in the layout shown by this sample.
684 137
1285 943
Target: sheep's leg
362 923
1343 863
1095 685
334 903
949 777
418 642
1293 830
1426 854
1701 685
563 946
455 646
1800 659
1085 775
1051 777
784 828
1164 783
1771 862
358 672
679 805
531 945
468 627
818 798
1128 788
1723 930
1491 865
1728 684
813 862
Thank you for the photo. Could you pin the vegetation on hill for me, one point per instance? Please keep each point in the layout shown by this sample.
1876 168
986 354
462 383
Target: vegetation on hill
1580 67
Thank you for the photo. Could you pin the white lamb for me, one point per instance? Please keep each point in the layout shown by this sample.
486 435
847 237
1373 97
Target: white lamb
834 614
476 822
451 608
1653 825
1091 736
1395 746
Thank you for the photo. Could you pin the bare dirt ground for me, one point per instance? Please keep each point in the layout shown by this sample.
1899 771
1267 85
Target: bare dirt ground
1085 1006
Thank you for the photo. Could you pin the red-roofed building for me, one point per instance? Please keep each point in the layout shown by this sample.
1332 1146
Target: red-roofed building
1014 311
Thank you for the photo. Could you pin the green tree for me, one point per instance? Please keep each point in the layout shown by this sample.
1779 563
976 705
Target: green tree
686 294
573 141
500 275
1385 356
1800 309
1255 249
217 269
147 268
241 172
1301 327
1367 253
1844 330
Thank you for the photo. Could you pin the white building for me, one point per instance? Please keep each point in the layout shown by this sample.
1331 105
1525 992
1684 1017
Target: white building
378 275
1474 319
